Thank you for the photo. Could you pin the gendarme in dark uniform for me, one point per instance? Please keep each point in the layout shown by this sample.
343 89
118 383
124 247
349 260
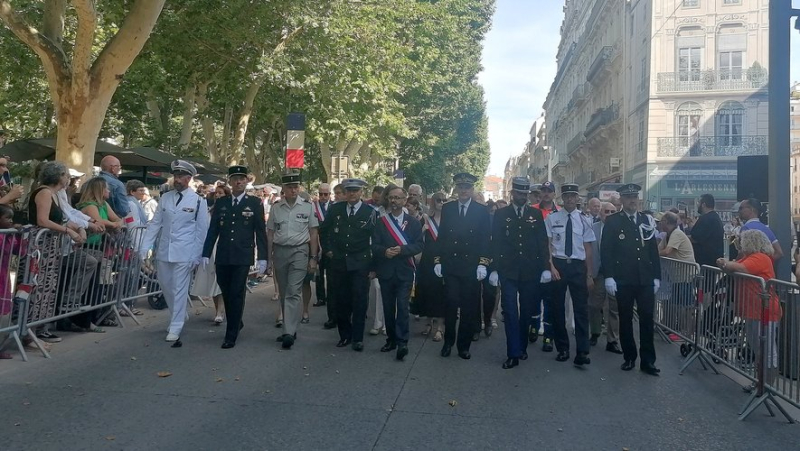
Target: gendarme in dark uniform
346 234
463 249
238 223
520 254
629 256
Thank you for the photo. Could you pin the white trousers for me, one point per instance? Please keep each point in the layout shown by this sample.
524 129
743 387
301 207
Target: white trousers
174 279
376 298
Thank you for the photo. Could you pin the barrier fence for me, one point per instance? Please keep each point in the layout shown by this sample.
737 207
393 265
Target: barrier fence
53 278
740 321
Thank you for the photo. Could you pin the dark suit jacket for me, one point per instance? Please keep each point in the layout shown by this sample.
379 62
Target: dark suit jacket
463 242
240 230
623 255
399 265
349 238
520 249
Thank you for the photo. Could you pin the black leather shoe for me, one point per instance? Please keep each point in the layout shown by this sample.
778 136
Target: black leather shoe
280 338
402 352
465 355
613 347
593 339
628 365
358 346
547 345
446 350
488 331
524 356
389 346
533 335
342 343
650 369
228 344
329 325
288 341
582 359
319 303
510 363
562 356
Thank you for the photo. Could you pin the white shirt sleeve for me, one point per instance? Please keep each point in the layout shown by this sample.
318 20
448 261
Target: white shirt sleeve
72 214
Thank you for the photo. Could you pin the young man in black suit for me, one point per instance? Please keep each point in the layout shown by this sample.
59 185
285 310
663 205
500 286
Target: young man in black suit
395 242
463 255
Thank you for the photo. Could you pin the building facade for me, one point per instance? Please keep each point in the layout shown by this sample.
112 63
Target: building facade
534 160
794 121
674 91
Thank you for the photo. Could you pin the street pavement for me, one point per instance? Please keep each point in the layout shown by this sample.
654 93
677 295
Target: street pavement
103 392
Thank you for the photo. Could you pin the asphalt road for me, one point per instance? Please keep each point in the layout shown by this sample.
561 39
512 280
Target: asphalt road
102 391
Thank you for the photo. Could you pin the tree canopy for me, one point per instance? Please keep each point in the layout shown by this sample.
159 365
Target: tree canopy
380 81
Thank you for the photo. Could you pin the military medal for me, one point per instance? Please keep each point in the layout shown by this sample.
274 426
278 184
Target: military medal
335 230
622 236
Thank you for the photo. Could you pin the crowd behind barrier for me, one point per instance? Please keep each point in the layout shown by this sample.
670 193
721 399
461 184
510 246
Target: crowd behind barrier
745 323
718 318
45 277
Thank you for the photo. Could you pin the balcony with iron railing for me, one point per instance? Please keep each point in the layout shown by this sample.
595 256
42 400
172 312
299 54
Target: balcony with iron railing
600 64
713 80
575 143
711 146
601 118
580 94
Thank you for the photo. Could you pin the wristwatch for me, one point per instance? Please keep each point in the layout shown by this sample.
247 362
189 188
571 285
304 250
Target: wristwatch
314 257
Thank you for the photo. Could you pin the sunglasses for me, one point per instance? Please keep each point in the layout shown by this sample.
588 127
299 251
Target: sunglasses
439 201
397 197
324 194
609 211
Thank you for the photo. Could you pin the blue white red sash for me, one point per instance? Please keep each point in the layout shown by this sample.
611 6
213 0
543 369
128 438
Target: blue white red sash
320 214
433 229
397 233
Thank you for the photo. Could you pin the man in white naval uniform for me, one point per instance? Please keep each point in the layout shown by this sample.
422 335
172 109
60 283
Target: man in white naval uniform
180 225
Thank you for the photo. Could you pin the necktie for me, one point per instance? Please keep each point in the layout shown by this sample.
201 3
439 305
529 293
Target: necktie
352 210
519 212
633 219
568 242
595 220
463 210
180 198
235 201
324 208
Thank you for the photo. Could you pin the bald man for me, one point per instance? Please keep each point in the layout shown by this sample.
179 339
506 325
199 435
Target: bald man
110 170
594 209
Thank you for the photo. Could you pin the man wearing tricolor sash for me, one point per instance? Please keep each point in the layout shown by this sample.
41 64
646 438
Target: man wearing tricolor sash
320 210
396 240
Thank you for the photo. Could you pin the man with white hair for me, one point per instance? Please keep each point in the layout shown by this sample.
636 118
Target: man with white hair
415 192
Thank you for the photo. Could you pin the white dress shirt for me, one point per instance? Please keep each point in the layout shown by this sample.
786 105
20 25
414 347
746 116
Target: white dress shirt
582 232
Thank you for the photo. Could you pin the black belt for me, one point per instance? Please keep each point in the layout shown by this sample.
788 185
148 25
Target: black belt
569 260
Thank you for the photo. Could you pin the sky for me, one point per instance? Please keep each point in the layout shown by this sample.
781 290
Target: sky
519 61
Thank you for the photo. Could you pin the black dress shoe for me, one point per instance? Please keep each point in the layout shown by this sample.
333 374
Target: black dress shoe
343 342
280 338
488 330
650 369
533 335
547 345
402 352
329 325
562 356
446 350
613 347
319 303
582 359
288 341
358 346
628 365
389 346
524 356
465 355
228 344
593 339
510 363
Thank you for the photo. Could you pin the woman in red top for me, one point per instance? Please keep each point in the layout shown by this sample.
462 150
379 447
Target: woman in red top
755 258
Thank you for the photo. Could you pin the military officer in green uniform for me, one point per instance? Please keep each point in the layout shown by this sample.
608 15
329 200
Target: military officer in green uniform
346 238
632 270
292 237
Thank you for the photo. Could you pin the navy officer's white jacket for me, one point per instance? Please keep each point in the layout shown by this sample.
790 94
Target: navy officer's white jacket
180 226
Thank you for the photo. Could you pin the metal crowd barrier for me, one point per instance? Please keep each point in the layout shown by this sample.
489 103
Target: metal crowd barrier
676 301
783 375
57 279
13 247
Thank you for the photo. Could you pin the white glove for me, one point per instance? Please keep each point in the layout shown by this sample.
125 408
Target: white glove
493 278
261 266
547 277
205 262
656 285
437 269
611 286
481 272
